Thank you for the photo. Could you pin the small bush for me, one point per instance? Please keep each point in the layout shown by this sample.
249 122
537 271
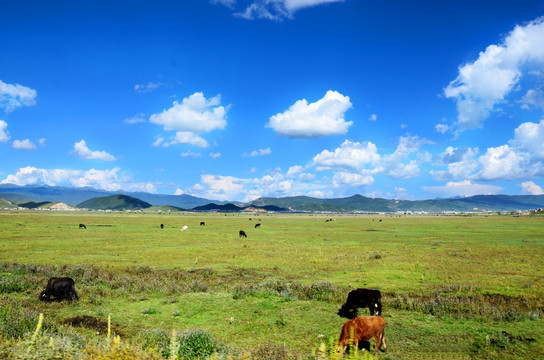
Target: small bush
150 311
198 344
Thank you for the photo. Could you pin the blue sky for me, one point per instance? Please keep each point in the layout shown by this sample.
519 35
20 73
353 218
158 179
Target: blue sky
233 100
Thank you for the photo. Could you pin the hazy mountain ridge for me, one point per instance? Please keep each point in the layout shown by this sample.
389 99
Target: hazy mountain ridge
141 200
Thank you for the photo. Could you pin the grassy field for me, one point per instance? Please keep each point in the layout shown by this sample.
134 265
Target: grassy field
453 287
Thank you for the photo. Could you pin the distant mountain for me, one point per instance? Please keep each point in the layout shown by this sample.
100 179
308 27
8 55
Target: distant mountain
74 196
362 203
34 205
78 196
6 204
234 208
114 202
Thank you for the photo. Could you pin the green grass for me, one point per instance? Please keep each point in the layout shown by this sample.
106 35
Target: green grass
450 285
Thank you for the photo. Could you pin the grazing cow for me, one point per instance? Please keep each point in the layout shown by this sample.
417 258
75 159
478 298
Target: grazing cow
60 288
257 225
202 223
360 298
82 226
364 329
185 227
162 226
242 233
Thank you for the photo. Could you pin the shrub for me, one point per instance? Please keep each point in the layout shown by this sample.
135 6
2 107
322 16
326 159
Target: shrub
198 344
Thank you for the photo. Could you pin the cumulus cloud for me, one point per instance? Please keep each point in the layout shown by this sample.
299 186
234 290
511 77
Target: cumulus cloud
14 96
503 162
81 150
352 156
270 9
187 137
486 82
529 137
530 188
246 189
190 118
460 162
362 161
215 155
351 179
373 117
25 144
463 188
309 120
293 171
4 135
109 180
179 192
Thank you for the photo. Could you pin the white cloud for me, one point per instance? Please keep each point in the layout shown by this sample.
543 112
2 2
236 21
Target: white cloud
373 117
460 162
362 161
193 116
352 156
136 119
503 162
158 141
190 153
215 155
293 171
14 96
272 9
187 137
100 179
441 128
81 150
179 192
392 165
25 144
259 152
4 135
149 87
462 188
322 118
351 179
220 187
529 187
487 81
530 137
41 142
533 97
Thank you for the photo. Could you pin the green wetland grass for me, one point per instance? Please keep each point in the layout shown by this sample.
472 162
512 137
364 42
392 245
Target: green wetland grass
453 287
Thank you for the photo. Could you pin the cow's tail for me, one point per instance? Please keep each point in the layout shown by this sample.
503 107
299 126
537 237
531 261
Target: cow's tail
382 340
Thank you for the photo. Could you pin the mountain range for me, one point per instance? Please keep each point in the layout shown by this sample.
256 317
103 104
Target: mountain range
100 199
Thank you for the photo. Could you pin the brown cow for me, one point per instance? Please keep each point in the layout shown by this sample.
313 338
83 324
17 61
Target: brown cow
364 329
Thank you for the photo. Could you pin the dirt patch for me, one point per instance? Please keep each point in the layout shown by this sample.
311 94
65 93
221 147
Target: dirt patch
90 322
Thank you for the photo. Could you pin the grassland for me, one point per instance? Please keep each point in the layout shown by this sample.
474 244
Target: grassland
453 287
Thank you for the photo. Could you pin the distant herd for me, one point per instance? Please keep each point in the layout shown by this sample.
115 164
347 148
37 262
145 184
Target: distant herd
357 329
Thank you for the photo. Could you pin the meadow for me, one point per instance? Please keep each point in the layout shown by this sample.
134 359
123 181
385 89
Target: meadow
454 287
